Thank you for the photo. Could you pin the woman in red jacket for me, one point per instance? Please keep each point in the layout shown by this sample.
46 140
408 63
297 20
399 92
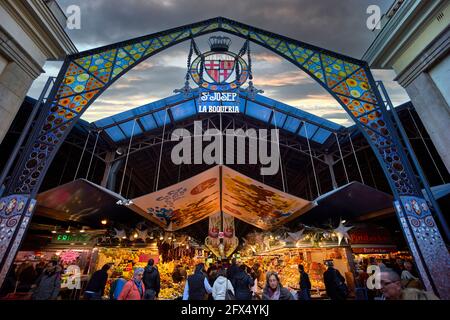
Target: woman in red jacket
134 289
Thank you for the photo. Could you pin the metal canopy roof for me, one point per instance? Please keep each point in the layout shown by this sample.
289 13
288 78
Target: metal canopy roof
152 116
349 201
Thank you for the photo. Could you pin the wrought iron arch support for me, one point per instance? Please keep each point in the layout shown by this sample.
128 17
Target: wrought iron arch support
84 76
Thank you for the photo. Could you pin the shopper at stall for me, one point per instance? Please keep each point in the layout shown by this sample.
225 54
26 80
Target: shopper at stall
334 283
407 273
179 274
392 289
232 269
409 280
152 281
257 270
95 288
242 283
221 286
134 289
398 266
273 289
40 267
254 289
197 286
212 274
26 276
117 287
305 284
361 276
48 284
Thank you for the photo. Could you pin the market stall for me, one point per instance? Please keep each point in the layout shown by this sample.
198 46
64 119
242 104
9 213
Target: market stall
169 252
283 251
74 254
375 244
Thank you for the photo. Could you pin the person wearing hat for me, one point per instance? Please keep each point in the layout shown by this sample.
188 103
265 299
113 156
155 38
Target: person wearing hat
134 289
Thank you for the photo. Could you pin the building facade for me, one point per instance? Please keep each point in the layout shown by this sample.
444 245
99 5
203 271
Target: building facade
31 32
414 41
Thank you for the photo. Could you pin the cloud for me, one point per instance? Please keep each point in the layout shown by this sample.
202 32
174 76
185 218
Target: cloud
335 25
284 79
266 57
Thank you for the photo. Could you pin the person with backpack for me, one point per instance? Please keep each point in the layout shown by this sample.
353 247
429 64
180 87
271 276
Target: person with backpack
197 286
222 287
334 283
48 284
242 283
152 281
304 284
232 269
116 288
134 289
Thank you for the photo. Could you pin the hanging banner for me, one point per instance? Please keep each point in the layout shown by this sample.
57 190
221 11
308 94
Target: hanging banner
215 234
197 198
212 241
182 204
258 204
230 241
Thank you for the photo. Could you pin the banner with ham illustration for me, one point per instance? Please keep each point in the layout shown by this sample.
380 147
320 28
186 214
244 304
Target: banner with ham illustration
258 204
230 241
197 198
184 203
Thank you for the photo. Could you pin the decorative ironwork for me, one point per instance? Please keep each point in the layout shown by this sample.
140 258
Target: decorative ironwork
219 43
86 75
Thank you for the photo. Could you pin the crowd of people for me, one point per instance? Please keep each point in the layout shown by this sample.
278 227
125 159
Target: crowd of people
398 280
220 281
233 282
40 282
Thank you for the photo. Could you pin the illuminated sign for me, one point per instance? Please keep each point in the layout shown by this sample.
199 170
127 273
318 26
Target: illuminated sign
71 238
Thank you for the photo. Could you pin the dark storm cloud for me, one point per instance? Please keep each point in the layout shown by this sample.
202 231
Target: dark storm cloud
336 25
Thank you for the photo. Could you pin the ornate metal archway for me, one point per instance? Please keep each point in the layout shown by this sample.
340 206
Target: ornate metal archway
84 76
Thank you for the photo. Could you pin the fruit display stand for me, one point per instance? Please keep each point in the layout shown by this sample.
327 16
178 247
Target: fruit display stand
125 260
285 262
170 289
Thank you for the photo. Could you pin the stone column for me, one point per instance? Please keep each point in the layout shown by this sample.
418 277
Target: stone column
14 84
434 113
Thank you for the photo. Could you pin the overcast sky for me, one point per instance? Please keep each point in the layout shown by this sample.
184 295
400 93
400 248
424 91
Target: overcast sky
336 25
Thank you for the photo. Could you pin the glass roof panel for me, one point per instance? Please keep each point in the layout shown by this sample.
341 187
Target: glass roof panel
260 108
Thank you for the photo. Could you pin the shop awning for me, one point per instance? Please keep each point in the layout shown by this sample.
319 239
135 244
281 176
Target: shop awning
203 195
350 201
84 202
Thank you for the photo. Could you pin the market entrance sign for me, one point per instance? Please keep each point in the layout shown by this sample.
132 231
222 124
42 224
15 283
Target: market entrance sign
218 102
